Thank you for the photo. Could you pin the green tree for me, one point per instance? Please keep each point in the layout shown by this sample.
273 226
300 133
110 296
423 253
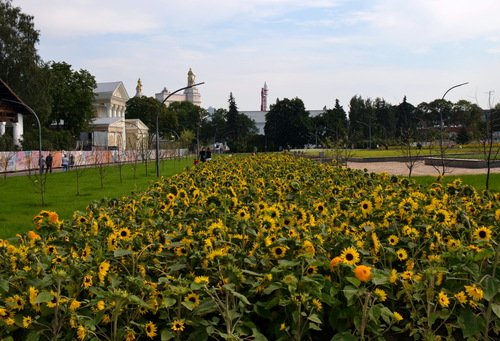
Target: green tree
335 123
361 121
239 128
20 65
72 99
146 108
288 124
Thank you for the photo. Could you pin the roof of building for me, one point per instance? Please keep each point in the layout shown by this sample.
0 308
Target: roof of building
110 89
10 104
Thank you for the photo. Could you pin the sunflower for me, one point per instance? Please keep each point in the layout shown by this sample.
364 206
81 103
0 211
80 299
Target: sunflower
192 298
103 270
178 326
366 207
350 256
279 251
32 294
87 281
402 254
124 233
482 234
311 270
320 208
334 262
180 251
363 273
15 302
461 297
443 299
201 279
74 305
381 294
151 330
243 214
27 321
318 306
397 316
474 292
393 240
81 332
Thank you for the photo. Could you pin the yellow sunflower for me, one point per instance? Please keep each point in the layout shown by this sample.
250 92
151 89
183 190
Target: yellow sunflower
474 292
381 294
279 251
178 326
393 240
366 207
151 330
350 256
192 298
402 254
443 299
482 233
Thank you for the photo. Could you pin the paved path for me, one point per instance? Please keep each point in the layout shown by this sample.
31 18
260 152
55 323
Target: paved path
400 168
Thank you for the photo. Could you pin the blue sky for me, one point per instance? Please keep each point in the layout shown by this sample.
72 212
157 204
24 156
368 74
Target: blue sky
316 50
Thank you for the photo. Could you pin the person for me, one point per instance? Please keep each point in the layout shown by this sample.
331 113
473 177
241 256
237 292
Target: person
48 163
71 160
203 155
64 162
208 154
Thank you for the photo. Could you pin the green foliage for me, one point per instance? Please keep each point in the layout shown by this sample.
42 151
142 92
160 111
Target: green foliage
266 247
288 124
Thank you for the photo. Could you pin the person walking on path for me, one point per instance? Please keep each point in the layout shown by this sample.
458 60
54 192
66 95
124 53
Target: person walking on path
64 162
48 163
41 164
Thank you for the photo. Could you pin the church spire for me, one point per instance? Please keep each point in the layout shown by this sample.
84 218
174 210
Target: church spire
138 88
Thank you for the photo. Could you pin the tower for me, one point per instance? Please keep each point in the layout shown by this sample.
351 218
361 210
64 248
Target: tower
263 98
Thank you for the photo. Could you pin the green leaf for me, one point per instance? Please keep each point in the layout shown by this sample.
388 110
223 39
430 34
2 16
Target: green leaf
4 285
491 287
379 277
121 253
485 253
345 336
314 326
43 297
496 309
470 323
386 314
167 334
274 286
283 263
33 336
349 293
354 281
314 318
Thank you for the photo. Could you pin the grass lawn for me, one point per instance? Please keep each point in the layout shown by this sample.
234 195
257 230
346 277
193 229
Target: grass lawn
20 199
478 181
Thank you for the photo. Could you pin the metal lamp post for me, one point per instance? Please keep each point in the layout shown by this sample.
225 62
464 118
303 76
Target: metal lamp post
39 130
441 126
157 132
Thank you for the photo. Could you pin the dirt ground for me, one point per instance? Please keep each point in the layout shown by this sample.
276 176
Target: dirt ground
400 168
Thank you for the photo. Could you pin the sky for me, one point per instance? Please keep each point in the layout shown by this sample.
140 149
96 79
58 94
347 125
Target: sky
315 50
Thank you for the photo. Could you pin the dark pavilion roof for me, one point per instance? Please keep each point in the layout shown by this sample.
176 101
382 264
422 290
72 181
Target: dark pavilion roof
10 104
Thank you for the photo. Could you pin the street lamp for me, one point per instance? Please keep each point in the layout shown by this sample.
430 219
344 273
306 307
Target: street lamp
369 131
39 130
157 118
441 124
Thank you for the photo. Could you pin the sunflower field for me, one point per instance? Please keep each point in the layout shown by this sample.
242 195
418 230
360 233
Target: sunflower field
266 247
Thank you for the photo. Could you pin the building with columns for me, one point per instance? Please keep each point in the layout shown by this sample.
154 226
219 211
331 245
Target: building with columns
110 128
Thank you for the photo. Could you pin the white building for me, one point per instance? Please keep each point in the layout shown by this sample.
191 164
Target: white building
188 95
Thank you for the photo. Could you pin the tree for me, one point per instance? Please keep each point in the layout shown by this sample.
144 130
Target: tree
20 66
239 127
288 124
72 97
332 123
146 108
189 115
361 120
